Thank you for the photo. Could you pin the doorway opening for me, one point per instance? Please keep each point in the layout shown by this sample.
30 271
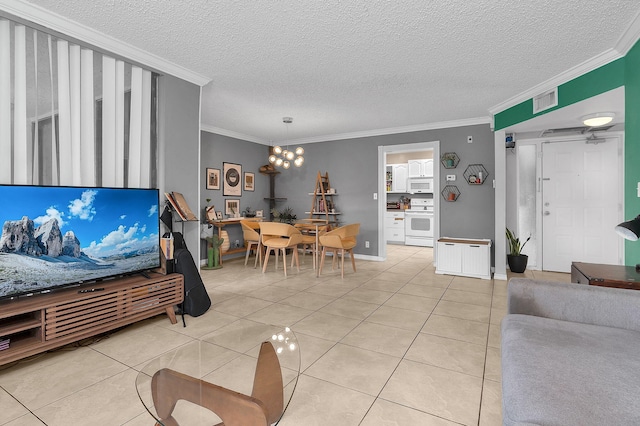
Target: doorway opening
391 163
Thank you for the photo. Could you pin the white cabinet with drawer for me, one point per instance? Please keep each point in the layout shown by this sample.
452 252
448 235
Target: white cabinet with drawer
466 257
394 227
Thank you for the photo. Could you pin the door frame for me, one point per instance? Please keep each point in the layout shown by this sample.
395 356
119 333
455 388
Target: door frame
383 150
559 139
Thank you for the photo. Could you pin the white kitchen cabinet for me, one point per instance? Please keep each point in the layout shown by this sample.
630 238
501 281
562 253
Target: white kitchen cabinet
466 257
420 168
397 177
394 226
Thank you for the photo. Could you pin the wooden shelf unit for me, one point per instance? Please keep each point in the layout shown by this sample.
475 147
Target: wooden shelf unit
39 323
322 203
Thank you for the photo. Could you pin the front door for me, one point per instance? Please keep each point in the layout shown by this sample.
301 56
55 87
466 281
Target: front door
581 203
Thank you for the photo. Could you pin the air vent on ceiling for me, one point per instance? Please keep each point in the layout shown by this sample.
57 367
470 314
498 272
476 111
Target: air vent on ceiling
574 130
545 101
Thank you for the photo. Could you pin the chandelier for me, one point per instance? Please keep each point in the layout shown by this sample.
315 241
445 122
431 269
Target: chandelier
283 157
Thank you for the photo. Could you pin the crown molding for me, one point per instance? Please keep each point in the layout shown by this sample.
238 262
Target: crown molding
58 23
353 135
629 38
232 134
604 58
392 130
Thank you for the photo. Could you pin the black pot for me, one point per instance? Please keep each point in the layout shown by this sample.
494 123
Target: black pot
517 263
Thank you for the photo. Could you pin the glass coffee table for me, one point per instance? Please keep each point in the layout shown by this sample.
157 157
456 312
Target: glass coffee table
206 383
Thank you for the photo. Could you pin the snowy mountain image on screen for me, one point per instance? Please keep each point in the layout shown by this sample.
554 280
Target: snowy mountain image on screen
88 236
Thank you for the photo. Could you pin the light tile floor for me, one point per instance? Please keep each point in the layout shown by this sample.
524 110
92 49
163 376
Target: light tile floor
392 344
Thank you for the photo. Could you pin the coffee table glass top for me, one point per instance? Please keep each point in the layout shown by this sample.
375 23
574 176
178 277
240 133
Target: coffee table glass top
222 361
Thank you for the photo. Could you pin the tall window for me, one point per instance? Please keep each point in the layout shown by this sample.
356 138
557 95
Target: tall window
73 116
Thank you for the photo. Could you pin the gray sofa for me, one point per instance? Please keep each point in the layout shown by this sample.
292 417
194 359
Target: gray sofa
570 355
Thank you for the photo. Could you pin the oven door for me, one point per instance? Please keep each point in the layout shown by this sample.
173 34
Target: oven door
418 228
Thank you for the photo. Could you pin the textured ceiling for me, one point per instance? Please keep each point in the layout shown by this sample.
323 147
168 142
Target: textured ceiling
355 66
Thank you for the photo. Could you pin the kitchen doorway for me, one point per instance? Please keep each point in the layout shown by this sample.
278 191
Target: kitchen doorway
401 150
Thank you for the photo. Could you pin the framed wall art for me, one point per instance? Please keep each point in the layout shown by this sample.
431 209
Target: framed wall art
249 181
232 175
213 178
232 208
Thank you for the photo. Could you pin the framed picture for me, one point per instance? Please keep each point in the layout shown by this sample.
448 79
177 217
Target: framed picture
232 179
211 213
213 178
219 215
232 208
249 181
259 213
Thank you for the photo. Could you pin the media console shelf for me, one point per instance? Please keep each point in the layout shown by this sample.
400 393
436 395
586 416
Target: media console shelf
43 322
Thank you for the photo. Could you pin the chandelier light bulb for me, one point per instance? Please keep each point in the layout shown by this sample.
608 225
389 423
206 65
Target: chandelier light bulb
279 162
299 150
277 149
290 155
286 164
272 158
298 162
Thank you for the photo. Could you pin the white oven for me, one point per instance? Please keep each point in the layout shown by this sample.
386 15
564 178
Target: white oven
419 223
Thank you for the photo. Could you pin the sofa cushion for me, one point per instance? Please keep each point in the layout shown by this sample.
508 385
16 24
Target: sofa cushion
565 373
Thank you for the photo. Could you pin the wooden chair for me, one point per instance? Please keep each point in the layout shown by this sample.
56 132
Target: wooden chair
340 240
251 235
279 237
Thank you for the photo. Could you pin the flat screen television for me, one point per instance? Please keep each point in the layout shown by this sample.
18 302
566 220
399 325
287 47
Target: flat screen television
59 236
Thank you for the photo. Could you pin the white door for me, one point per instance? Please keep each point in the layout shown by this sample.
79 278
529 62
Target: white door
581 203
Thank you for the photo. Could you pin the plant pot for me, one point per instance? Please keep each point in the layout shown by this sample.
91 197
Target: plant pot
449 162
517 263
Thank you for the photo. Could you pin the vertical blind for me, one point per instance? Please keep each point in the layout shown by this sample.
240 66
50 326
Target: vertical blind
73 116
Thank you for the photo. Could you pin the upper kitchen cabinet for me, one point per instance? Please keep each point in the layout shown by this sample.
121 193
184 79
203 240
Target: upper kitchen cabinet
396 177
421 168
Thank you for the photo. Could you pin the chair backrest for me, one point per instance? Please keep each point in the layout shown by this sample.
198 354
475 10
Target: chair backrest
249 232
270 230
338 236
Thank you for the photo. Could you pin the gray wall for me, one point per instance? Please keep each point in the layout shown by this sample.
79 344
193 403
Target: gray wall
353 171
217 149
179 141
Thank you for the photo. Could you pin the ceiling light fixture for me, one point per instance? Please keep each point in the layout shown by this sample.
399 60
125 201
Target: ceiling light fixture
282 157
598 119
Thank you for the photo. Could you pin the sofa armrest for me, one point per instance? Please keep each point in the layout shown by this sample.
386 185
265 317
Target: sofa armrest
581 303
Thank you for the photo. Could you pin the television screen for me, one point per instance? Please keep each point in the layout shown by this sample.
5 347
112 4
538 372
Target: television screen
55 236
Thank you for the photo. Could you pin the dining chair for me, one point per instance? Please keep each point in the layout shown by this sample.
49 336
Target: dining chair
339 241
279 237
251 235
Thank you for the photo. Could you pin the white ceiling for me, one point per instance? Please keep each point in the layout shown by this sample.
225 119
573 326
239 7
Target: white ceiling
340 67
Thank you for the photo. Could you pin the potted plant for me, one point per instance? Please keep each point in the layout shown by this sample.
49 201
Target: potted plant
517 261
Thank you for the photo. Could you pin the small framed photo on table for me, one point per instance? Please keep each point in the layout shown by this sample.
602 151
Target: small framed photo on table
259 213
219 215
211 213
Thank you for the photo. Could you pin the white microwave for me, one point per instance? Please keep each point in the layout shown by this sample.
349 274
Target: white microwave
420 185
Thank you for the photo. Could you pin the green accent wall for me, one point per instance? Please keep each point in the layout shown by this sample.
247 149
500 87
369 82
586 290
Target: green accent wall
593 83
632 146
621 72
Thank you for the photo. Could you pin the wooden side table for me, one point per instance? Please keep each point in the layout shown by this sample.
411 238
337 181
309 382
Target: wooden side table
618 276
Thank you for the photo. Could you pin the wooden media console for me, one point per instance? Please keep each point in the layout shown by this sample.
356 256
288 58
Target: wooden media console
42 322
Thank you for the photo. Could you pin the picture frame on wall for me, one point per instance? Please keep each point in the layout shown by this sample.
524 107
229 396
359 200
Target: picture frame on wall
213 178
249 181
232 208
232 179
